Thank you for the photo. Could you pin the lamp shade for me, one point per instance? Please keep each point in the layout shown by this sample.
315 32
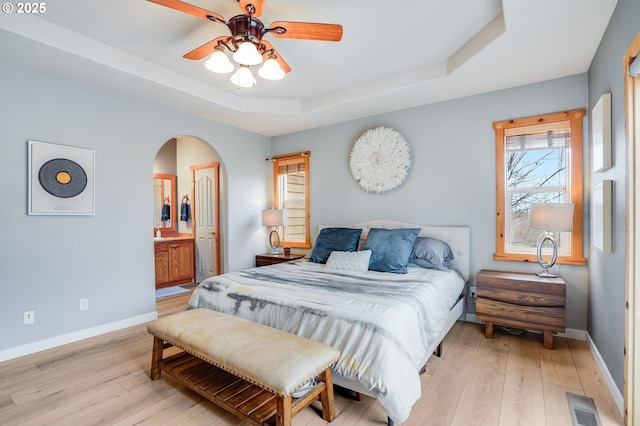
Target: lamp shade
551 216
272 217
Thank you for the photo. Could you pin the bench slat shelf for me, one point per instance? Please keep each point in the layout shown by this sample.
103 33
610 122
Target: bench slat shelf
248 369
222 388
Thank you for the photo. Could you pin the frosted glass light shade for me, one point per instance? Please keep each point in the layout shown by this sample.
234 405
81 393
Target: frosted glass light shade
271 70
243 77
218 62
247 54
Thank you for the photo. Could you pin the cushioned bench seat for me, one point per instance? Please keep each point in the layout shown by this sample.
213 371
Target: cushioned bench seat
246 368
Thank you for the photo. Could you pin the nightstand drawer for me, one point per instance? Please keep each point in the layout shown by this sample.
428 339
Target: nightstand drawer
521 300
522 289
527 317
525 294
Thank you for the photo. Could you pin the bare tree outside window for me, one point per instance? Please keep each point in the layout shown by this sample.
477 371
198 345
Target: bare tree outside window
538 160
534 176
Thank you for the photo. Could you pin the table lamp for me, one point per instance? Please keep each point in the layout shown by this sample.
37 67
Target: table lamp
550 217
273 218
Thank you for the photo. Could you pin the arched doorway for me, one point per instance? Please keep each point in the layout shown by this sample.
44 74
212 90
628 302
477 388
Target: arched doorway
181 157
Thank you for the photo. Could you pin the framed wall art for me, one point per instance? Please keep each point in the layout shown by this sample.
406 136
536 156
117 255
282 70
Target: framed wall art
61 180
601 219
601 133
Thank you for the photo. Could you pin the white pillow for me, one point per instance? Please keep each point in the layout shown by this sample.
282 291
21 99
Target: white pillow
350 260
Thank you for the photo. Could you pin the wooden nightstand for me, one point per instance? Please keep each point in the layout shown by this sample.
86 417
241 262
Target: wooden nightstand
270 259
521 300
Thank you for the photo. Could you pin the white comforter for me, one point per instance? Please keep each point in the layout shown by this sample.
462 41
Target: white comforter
381 322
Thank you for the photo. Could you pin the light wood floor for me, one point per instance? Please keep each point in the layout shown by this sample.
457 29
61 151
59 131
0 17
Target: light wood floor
508 380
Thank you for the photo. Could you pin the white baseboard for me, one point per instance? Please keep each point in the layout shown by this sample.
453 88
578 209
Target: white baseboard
571 333
617 396
75 336
53 342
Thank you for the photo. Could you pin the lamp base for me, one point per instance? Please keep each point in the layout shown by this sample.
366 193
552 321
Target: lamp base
546 274
547 236
274 241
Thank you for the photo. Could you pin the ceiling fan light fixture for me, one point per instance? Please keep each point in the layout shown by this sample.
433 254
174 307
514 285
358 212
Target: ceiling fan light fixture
218 62
247 54
271 69
243 77
245 40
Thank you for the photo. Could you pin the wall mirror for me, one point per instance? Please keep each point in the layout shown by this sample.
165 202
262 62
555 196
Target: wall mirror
164 203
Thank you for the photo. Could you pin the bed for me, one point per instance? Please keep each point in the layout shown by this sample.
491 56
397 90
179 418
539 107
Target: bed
386 324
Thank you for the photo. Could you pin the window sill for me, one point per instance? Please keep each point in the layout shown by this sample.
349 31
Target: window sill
521 257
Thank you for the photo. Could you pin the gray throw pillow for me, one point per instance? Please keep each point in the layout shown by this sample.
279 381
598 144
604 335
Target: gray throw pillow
432 253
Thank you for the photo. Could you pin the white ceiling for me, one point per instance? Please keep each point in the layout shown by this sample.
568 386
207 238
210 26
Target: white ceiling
393 55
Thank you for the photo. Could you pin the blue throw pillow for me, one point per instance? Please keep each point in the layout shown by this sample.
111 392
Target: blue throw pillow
334 239
390 248
432 253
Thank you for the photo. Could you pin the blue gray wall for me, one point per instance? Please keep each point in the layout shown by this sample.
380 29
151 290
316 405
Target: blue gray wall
48 263
453 172
607 270
452 176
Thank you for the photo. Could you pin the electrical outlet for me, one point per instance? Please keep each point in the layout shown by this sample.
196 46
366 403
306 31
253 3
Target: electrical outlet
29 317
84 304
472 293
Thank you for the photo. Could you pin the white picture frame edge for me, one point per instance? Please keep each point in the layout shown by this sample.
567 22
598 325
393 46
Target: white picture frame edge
601 134
36 201
601 219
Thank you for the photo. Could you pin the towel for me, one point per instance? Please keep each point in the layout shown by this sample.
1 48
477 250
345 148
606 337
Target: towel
185 212
165 214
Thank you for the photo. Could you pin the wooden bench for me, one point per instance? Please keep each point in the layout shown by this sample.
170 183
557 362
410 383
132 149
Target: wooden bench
248 369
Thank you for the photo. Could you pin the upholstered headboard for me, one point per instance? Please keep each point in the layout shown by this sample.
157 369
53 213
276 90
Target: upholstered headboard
458 237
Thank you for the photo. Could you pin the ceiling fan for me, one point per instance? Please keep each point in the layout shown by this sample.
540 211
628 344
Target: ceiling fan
246 43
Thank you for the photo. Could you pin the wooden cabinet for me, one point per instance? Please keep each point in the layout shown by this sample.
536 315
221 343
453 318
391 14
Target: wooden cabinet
271 259
174 261
521 300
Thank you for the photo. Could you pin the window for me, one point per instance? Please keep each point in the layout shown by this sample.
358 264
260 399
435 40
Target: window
538 159
291 193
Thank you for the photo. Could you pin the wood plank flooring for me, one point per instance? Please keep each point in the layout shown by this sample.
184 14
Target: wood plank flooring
505 381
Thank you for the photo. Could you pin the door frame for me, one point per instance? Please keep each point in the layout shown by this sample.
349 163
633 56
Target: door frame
632 293
216 166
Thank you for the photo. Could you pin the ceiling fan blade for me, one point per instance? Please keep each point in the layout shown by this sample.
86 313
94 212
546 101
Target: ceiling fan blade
257 4
187 8
308 31
283 64
204 50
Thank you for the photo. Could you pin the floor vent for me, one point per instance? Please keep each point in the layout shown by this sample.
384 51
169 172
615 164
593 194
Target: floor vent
583 410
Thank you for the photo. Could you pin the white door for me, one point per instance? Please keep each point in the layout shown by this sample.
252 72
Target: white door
205 178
